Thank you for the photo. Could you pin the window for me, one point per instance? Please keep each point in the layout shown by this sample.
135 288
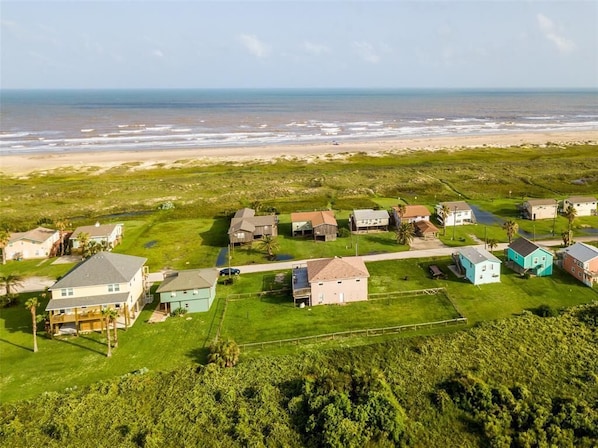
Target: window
339 282
357 280
195 292
114 287
173 294
64 292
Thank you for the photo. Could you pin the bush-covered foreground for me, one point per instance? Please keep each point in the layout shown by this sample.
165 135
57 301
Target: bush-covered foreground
526 381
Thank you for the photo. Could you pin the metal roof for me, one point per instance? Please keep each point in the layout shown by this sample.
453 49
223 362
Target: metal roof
78 302
582 252
477 255
189 279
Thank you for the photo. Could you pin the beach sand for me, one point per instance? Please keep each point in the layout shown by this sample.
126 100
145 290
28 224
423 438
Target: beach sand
28 163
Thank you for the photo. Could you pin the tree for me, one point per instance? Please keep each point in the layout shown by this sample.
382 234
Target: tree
83 239
445 211
61 226
570 213
405 232
224 353
114 319
4 238
269 244
492 243
401 209
109 315
511 227
32 305
566 236
10 282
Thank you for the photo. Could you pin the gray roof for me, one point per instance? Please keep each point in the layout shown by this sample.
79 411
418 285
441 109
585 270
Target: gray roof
102 268
77 302
95 231
477 255
524 247
533 202
370 214
582 252
37 235
581 199
459 205
189 279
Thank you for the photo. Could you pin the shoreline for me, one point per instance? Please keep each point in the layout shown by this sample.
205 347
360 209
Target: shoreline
21 164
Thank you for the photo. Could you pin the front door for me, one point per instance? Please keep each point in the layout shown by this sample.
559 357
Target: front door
341 297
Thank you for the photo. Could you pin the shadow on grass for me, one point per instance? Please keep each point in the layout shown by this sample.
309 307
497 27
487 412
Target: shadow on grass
199 355
65 341
217 235
16 345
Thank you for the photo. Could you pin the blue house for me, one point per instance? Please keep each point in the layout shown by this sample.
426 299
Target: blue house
524 256
192 290
479 265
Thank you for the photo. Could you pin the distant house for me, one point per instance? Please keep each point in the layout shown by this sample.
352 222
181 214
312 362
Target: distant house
368 219
321 225
460 213
330 281
539 209
525 256
412 213
583 205
581 261
36 243
108 234
479 265
192 290
425 230
245 227
104 280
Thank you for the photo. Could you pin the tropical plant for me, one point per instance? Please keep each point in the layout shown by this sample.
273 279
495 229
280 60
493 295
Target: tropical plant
567 237
224 353
10 282
444 212
4 238
511 227
492 244
83 239
32 304
109 315
62 225
570 213
269 244
405 232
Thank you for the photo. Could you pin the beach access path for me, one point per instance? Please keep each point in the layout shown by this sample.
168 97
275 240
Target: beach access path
32 284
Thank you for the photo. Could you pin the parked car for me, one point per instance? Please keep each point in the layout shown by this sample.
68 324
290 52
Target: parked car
230 271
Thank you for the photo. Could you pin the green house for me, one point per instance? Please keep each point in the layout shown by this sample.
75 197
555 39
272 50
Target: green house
524 256
192 290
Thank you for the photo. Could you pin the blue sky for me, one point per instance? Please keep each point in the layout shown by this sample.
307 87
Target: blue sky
279 43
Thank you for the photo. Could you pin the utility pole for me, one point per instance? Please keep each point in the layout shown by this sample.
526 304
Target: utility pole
454 222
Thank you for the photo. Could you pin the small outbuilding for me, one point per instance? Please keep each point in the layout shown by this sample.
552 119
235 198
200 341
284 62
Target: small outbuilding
192 290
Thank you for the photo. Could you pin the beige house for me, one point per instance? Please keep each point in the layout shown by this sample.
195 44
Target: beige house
245 227
321 224
412 213
105 280
583 205
109 234
539 209
368 219
37 243
330 281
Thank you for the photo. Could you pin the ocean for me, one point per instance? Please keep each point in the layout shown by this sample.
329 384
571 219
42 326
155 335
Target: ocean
56 121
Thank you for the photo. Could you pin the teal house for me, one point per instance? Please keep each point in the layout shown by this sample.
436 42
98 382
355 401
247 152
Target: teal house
192 290
525 256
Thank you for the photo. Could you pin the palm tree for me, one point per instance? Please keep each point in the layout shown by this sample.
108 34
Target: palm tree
10 282
4 239
107 314
405 232
32 305
401 209
269 244
224 353
61 226
83 239
570 213
511 227
113 316
566 236
492 243
445 211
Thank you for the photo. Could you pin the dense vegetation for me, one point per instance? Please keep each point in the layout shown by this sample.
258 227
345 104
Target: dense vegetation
521 382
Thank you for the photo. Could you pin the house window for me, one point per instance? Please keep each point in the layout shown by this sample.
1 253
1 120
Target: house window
339 282
64 292
114 287
483 268
195 292
321 297
320 284
357 280
173 294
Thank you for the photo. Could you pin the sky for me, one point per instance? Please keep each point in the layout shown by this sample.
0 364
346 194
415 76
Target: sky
299 44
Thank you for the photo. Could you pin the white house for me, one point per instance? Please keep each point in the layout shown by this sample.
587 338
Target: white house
35 243
479 265
583 205
459 213
105 280
539 209
110 234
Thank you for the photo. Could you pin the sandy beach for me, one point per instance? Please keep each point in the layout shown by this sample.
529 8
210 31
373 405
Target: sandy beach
28 163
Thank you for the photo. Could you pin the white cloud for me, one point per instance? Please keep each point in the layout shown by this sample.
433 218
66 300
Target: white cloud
256 47
552 33
158 53
367 52
315 49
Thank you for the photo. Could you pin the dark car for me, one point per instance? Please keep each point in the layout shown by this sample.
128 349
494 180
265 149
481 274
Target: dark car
230 271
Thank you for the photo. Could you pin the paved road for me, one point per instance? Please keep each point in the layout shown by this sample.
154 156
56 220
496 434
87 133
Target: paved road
40 283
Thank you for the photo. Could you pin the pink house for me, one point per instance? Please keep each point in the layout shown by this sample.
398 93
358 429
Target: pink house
581 261
331 281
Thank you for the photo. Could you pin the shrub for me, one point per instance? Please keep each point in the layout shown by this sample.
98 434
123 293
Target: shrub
178 312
